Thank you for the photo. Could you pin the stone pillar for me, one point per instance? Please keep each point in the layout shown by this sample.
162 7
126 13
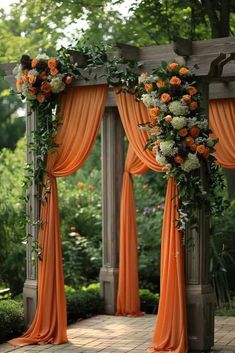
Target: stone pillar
112 172
199 293
32 211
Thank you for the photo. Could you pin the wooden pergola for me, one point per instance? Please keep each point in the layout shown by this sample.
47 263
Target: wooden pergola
216 75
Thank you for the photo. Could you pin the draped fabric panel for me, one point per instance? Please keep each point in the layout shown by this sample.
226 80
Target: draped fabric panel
170 333
82 111
171 329
128 301
222 122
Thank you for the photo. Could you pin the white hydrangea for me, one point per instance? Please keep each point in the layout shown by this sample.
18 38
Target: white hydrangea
191 163
33 72
148 100
178 108
178 122
57 85
161 159
167 148
42 56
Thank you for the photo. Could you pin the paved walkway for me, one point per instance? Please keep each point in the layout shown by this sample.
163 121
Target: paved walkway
110 334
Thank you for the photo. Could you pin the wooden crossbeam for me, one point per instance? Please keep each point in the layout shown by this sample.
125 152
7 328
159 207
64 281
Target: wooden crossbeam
214 59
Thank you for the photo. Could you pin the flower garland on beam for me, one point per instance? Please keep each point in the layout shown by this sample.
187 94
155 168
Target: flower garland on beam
179 134
178 128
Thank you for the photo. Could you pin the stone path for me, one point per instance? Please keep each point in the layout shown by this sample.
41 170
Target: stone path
110 334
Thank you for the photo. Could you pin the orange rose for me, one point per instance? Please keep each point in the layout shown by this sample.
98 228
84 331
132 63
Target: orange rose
189 141
154 111
206 153
173 66
168 118
52 63
160 83
183 132
194 131
193 147
186 98
184 71
175 81
32 79
68 79
33 90
193 105
201 149
144 74
192 90
165 97
43 75
45 87
148 87
25 78
179 159
34 63
54 71
41 98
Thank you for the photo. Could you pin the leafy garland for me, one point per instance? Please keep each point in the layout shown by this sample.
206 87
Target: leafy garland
180 136
178 128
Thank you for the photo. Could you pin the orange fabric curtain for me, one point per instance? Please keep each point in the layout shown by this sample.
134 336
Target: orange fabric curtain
128 301
222 122
171 330
82 110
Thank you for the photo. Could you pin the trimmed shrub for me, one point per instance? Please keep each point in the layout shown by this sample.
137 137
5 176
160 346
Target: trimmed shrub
83 303
149 301
11 319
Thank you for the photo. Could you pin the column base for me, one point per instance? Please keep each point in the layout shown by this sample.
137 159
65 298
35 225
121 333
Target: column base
109 285
30 294
200 316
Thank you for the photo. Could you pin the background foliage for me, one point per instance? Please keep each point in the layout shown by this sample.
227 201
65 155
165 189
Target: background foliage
35 25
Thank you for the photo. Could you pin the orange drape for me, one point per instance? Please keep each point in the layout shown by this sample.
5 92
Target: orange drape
82 110
171 330
222 123
128 301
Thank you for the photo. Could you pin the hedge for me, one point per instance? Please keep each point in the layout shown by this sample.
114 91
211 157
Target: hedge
11 319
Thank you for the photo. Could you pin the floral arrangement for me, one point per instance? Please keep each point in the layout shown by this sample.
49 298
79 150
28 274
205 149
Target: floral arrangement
179 133
40 79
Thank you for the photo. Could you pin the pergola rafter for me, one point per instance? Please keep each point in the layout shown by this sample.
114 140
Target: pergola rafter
216 74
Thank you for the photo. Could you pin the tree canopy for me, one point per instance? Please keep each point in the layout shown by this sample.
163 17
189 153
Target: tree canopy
35 25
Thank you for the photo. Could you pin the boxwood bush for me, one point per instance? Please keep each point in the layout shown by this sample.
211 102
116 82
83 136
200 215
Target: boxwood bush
11 319
83 303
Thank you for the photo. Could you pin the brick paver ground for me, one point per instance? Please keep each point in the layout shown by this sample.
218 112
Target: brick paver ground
110 334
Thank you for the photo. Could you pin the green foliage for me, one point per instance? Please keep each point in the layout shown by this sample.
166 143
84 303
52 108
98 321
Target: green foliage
11 319
149 301
228 310
12 251
12 127
83 303
149 194
222 260
81 229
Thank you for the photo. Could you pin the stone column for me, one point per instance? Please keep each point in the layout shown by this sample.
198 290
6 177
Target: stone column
199 293
112 171
32 211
